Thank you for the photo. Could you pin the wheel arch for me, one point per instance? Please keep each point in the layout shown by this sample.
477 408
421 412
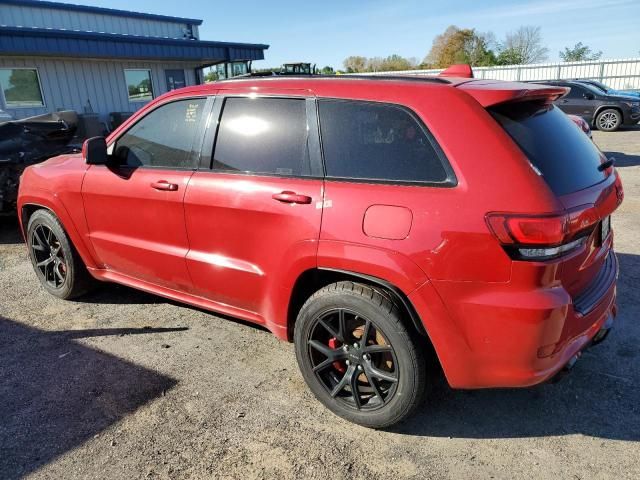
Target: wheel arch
607 107
25 214
312 280
28 207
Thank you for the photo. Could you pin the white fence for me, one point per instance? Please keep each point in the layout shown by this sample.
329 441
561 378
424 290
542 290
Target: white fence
623 74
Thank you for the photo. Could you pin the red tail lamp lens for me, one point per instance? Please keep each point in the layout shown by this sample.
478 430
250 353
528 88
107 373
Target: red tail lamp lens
529 230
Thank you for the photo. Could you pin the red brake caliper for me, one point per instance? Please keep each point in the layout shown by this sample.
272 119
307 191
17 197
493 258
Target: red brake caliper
334 343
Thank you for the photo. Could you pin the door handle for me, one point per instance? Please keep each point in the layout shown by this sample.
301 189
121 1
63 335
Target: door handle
164 185
291 197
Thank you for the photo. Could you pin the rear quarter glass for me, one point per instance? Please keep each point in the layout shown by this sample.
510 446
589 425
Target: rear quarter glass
375 141
562 154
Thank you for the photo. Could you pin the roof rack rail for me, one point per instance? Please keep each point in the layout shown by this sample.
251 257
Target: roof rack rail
409 78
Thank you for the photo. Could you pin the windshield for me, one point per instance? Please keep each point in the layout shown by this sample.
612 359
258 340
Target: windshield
597 85
561 153
592 88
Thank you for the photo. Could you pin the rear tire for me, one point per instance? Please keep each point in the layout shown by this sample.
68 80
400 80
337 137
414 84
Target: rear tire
609 120
349 337
54 259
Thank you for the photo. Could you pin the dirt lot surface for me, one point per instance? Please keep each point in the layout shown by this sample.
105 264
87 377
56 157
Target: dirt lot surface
127 385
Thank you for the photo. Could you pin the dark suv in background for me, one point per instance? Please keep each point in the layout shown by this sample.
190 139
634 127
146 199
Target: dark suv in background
605 111
609 90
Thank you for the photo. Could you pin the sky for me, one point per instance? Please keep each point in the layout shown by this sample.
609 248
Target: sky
325 32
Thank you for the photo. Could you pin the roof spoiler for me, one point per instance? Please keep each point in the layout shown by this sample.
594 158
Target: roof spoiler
491 92
460 70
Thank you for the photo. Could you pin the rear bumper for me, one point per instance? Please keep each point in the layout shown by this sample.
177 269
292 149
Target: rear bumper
599 337
504 335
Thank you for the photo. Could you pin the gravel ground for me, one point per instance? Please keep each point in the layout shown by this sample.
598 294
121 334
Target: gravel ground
127 385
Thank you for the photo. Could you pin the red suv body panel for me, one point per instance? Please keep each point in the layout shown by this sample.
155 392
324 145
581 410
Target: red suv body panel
221 241
226 263
150 245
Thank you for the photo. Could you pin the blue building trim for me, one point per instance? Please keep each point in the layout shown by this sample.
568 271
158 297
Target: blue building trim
100 10
68 43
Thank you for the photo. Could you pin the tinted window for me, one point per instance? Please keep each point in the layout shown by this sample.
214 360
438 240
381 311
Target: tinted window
163 138
364 140
600 86
561 152
263 135
575 92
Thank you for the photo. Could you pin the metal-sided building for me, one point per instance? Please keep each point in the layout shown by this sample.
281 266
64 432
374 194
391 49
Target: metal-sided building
56 56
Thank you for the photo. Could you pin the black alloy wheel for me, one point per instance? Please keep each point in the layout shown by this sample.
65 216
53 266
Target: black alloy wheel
357 355
49 256
352 359
55 260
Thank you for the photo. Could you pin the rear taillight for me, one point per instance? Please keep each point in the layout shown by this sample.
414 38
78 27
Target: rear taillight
528 230
542 237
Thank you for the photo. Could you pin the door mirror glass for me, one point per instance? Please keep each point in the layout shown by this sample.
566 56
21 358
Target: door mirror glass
94 151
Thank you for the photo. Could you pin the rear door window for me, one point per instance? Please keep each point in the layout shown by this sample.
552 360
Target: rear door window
559 151
575 92
263 136
372 141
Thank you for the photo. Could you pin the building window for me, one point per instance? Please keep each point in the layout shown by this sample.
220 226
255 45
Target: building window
21 87
139 86
231 69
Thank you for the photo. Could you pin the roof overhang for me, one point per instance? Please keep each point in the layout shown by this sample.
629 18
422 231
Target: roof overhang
67 43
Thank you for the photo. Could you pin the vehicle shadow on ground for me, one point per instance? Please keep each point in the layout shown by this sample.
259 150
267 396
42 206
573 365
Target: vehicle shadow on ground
624 160
599 398
115 294
57 393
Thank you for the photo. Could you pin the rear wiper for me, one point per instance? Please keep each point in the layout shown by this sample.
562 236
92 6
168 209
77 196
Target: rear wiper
607 164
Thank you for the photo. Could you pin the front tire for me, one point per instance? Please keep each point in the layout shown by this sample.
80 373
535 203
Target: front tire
357 357
609 120
56 263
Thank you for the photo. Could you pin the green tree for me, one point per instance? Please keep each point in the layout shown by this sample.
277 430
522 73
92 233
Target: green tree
355 64
327 70
524 45
509 56
456 45
444 48
374 64
478 49
396 63
211 76
578 53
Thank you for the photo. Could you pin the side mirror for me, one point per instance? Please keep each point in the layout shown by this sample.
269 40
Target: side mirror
589 96
94 151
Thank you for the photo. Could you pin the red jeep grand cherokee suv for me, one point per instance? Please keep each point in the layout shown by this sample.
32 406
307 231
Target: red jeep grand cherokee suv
369 220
